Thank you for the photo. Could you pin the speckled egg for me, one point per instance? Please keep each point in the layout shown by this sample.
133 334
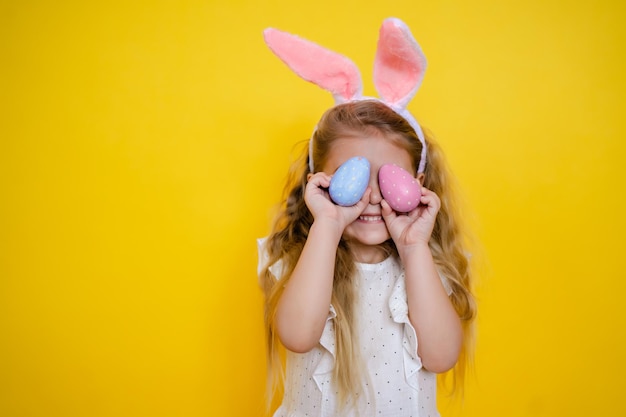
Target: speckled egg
349 182
399 188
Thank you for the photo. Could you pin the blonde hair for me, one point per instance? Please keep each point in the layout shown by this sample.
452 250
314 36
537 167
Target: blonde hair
292 224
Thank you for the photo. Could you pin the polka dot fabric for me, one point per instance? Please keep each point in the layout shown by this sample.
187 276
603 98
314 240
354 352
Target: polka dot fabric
394 383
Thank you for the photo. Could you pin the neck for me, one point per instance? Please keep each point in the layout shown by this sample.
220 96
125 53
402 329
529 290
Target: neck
367 254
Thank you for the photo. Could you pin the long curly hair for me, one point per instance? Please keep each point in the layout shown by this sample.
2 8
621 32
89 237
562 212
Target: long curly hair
293 221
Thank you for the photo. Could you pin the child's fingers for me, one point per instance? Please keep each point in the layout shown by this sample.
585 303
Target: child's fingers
364 201
415 213
366 195
387 212
430 199
319 179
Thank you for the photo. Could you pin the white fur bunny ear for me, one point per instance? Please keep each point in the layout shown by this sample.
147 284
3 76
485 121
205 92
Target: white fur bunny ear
329 70
399 65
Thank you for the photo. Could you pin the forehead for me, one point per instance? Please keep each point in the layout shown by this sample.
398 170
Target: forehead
378 150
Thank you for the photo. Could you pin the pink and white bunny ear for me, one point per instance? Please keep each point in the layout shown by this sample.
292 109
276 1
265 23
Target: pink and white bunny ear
399 65
329 70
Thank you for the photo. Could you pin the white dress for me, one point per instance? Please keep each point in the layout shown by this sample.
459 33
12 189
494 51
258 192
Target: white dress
394 383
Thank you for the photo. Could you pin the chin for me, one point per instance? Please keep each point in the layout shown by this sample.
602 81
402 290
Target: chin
372 237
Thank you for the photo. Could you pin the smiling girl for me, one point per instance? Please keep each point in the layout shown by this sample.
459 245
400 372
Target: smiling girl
369 303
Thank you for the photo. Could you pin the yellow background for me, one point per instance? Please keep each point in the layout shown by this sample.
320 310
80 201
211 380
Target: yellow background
143 145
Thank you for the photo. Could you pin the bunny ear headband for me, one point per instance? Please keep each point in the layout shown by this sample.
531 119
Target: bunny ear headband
399 68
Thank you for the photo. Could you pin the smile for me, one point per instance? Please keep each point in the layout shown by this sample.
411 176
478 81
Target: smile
370 218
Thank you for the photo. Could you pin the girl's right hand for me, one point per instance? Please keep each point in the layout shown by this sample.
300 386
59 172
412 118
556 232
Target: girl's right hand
321 206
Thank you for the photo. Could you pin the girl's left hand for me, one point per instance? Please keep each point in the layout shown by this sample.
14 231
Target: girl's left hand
416 226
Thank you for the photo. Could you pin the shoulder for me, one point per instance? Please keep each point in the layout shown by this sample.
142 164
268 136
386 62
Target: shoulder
262 254
276 268
445 281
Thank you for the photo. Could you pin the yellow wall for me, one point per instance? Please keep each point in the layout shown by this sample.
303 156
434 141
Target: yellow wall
143 144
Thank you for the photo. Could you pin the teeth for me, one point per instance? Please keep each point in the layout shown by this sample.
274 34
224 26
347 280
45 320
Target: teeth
370 218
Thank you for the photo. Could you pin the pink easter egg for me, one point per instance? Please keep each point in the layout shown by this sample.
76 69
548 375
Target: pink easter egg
399 188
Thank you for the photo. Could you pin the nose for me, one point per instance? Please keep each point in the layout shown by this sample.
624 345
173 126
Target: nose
375 196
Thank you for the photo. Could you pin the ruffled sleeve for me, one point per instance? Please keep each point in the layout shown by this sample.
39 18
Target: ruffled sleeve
321 373
399 308
324 367
276 269
400 313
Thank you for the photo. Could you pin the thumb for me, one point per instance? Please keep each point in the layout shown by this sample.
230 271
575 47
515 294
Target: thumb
388 214
364 201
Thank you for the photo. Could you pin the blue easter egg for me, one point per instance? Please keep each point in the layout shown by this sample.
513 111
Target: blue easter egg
350 181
